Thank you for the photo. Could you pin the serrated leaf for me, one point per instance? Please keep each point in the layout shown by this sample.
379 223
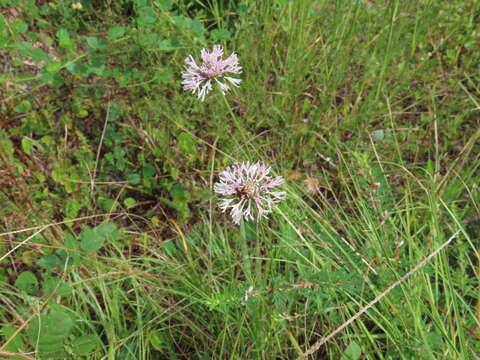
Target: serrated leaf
27 282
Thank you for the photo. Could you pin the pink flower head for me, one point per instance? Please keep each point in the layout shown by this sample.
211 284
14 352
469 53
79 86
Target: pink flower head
248 191
198 79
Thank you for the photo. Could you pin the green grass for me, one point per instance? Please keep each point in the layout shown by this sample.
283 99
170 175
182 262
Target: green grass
111 242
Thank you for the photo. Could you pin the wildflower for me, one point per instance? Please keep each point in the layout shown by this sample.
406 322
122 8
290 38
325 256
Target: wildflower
248 292
248 190
77 5
198 78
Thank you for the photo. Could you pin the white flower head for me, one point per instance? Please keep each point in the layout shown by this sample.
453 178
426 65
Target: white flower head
199 78
248 190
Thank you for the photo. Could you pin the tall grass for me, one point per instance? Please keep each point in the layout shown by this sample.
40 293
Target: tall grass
367 108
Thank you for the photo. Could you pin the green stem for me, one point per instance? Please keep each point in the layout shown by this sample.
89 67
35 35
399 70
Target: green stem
244 247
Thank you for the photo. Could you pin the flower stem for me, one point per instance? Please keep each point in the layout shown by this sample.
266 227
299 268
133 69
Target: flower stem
244 247
235 120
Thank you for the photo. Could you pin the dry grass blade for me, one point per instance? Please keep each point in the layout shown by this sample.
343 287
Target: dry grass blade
15 355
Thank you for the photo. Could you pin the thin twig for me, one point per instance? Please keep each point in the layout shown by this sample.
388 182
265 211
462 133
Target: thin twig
92 184
58 223
14 354
23 242
421 264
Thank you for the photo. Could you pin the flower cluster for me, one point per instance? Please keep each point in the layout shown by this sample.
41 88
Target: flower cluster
248 191
198 78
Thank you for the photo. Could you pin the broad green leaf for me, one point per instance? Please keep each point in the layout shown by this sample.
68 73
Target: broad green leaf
97 44
54 66
92 239
24 48
92 41
133 179
24 107
27 282
129 202
352 352
39 55
55 284
85 345
18 26
53 79
146 16
178 193
116 32
27 145
49 331
50 262
188 24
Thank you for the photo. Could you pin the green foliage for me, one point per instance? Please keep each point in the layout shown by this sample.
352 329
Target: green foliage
27 282
92 239
367 108
352 352
85 345
49 331
17 343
